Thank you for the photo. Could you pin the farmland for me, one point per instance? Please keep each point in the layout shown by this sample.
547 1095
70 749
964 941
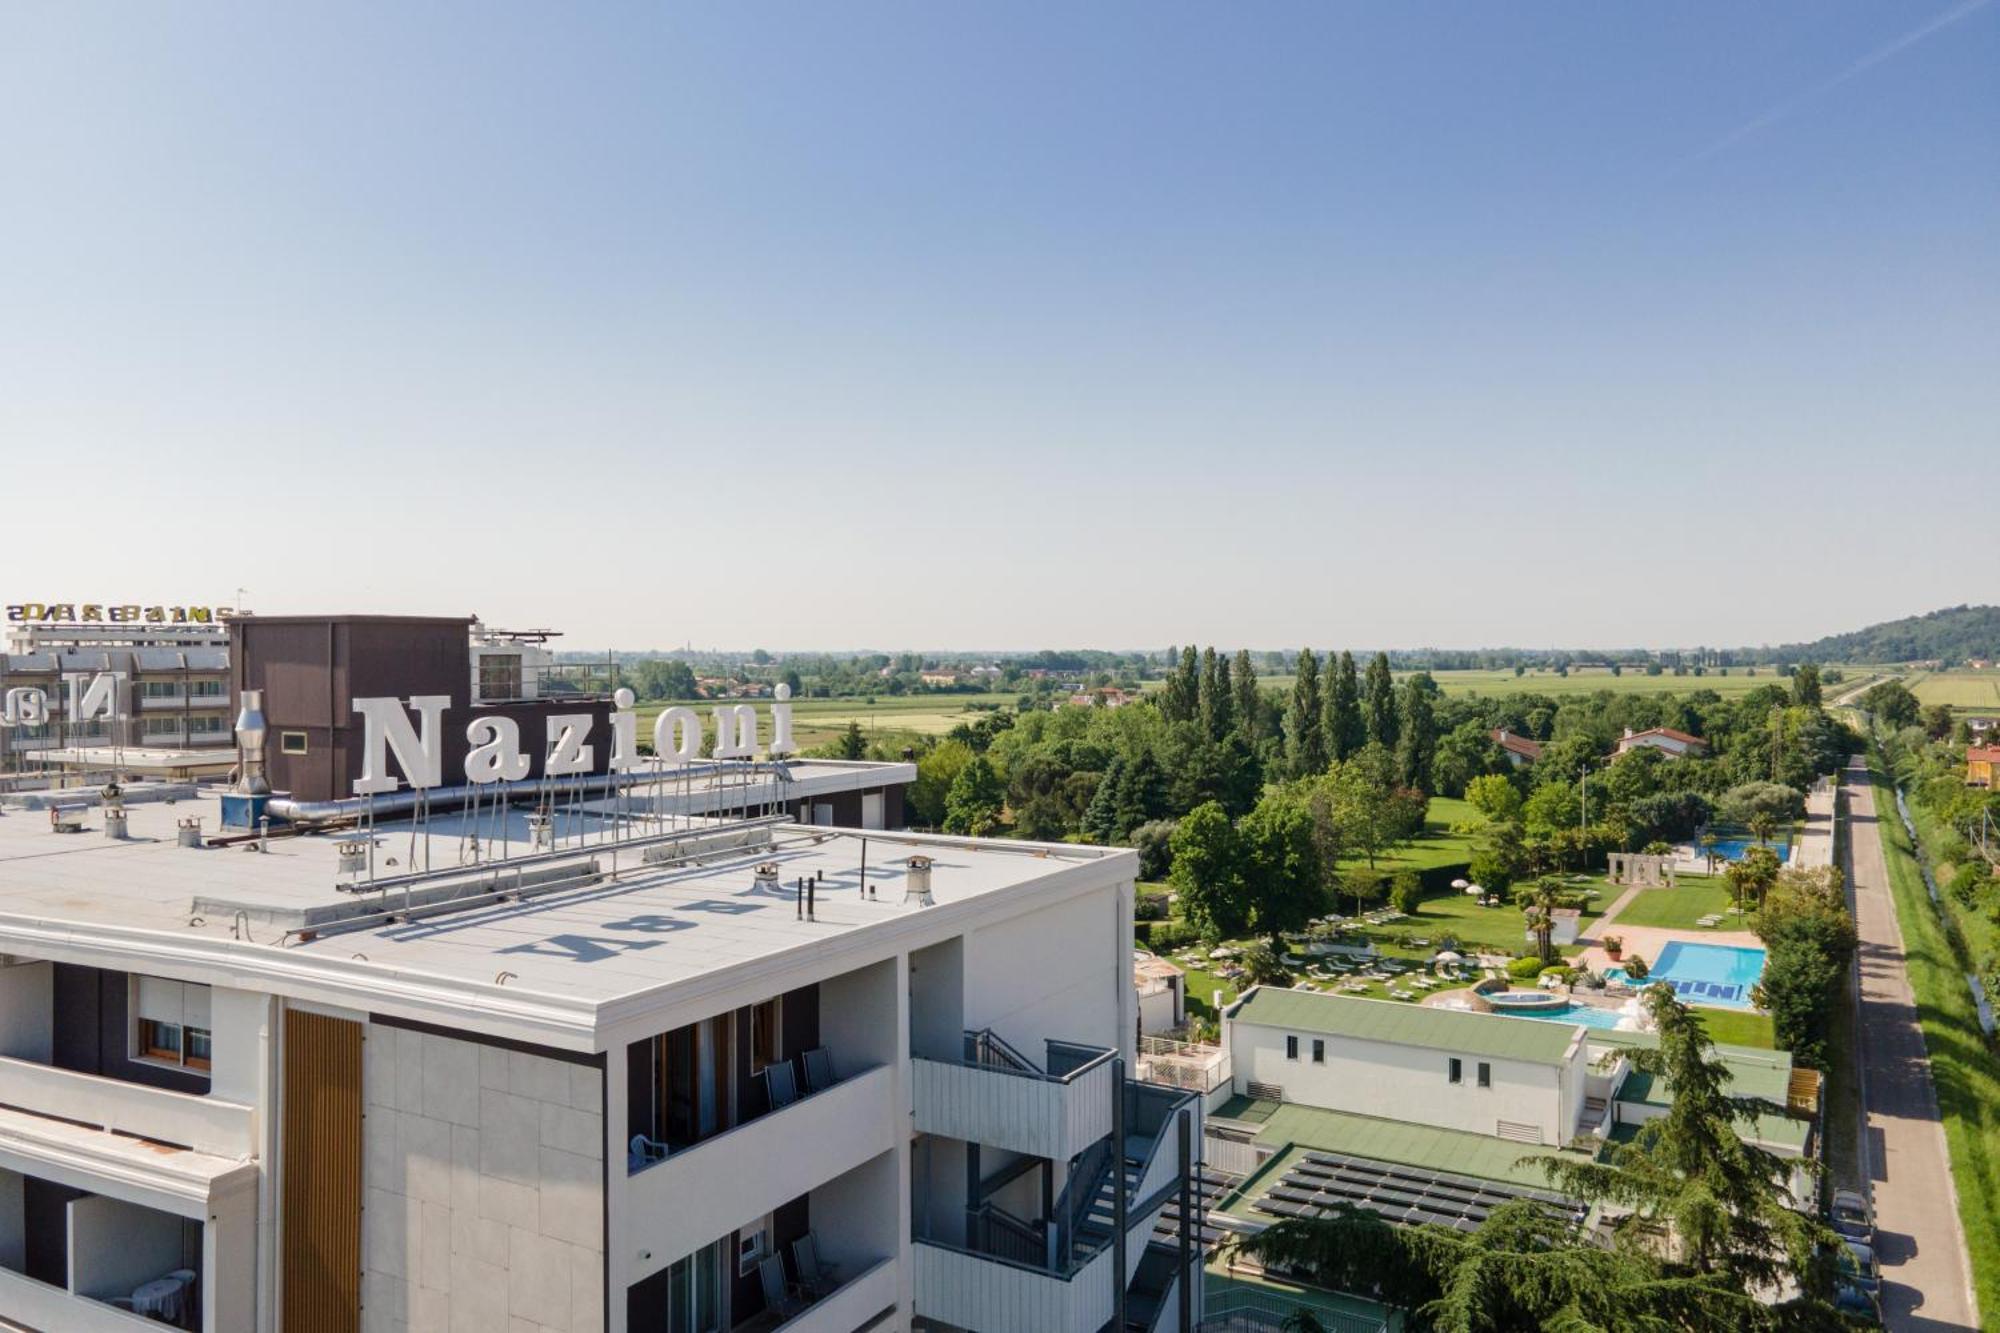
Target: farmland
887 719
1542 681
1971 690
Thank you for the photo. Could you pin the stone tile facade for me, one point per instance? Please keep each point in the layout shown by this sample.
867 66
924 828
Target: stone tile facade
484 1189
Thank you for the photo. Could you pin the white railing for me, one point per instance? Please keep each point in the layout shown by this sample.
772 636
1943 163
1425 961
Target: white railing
1180 1064
1024 1112
995 1296
205 1124
39 1305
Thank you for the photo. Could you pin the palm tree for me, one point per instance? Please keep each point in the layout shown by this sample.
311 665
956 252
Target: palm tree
1708 841
1541 911
1763 826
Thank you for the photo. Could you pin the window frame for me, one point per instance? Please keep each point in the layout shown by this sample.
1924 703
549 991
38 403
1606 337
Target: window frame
755 1243
1454 1069
286 741
775 1007
1291 1045
147 1038
1485 1074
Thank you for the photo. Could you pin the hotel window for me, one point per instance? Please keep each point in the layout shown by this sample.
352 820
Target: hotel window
207 726
163 726
765 1038
752 1244
1454 1070
207 689
170 1023
1291 1048
1485 1074
1319 1051
291 742
159 689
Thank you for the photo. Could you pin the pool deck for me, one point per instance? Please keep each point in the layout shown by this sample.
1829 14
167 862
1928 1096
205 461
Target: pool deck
1649 941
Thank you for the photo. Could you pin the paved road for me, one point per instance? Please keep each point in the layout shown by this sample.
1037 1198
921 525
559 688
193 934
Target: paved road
1925 1275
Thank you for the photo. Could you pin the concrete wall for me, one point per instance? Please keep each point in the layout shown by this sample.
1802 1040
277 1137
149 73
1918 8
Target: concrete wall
27 1011
1403 1082
1055 973
484 1176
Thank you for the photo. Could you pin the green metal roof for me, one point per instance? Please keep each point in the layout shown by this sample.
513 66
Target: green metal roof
1753 1073
1456 1030
1458 1151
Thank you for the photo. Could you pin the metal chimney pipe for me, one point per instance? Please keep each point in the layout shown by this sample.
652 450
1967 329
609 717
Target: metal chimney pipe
251 733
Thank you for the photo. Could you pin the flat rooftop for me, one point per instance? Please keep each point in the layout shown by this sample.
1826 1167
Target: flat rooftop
606 921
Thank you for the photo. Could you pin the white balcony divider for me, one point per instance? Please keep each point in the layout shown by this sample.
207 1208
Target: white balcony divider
205 1124
1024 1112
857 1300
995 1296
39 1305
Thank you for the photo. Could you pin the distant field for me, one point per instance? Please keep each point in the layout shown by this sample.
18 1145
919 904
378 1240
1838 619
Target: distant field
816 721
1493 683
1960 689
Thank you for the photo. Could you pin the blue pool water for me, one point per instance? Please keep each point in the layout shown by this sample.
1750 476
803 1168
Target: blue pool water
1719 974
1576 1013
1733 849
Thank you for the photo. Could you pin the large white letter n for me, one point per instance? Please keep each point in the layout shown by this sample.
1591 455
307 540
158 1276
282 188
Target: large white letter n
386 727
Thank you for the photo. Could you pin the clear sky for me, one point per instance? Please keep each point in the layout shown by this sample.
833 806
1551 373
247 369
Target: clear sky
1008 325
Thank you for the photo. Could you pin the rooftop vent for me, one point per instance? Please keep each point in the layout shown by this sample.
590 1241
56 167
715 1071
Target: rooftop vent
917 888
251 732
767 875
353 855
190 832
541 831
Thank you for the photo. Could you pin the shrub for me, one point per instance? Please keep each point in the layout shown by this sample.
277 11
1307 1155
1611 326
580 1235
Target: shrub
1635 967
1150 907
1165 936
1153 841
1968 881
1406 891
1526 969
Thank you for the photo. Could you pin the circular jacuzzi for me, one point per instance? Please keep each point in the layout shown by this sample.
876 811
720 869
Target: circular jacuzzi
1526 1001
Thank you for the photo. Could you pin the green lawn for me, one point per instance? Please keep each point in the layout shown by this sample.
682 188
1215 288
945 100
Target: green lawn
1963 1066
1678 908
1732 1027
1437 845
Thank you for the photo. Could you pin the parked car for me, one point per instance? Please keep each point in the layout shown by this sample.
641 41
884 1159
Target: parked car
1852 1217
1858 1265
1857 1304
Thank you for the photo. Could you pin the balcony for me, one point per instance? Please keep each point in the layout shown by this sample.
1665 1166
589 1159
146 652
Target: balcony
750 1170
204 1124
998 1097
39 1305
850 1305
995 1295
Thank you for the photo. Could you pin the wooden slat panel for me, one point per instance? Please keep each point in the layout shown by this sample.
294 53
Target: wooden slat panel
322 1181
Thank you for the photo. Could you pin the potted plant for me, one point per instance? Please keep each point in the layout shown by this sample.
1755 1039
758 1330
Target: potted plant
1635 968
1614 947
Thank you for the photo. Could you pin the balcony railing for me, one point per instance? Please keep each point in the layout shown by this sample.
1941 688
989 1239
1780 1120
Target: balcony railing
205 1124
753 1168
998 1097
850 1305
39 1305
996 1295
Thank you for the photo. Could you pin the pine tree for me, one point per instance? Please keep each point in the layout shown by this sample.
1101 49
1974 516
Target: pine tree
1416 747
1243 680
1346 730
1305 746
1100 818
1142 795
1379 702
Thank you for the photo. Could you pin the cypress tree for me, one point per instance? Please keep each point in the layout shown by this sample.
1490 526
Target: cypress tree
1218 703
1379 702
1243 680
1416 748
1346 730
1305 746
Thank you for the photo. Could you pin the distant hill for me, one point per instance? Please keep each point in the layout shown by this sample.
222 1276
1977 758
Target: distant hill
1953 634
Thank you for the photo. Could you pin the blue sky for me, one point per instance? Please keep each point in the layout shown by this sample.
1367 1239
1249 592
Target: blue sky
1022 325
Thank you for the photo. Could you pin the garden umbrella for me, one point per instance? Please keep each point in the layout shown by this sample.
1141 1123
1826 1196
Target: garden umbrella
1461 884
1449 956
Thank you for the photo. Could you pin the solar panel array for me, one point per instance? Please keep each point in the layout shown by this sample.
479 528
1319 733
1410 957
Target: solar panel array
1404 1194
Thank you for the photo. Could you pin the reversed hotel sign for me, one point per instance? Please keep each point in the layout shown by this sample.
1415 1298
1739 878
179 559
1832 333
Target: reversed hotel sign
113 613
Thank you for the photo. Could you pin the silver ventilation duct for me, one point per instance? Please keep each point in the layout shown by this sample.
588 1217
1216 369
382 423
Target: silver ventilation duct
251 733
917 888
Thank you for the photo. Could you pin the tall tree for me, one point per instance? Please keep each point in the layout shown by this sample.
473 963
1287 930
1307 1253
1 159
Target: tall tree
974 802
1416 743
1378 702
1207 872
1178 700
1281 865
1724 1200
1100 818
1346 729
1218 705
1243 681
1305 745
1805 686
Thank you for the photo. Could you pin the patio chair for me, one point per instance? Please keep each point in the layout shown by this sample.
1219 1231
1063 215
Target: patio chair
817 1280
780 1298
818 1064
781 1084
642 1152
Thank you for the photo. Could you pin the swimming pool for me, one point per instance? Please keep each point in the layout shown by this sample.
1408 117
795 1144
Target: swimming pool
1576 1013
1734 848
1718 974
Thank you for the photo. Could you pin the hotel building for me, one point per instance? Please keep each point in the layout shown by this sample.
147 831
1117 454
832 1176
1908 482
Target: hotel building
606 1044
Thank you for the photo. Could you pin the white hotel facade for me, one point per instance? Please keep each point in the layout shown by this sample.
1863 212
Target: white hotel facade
654 1057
